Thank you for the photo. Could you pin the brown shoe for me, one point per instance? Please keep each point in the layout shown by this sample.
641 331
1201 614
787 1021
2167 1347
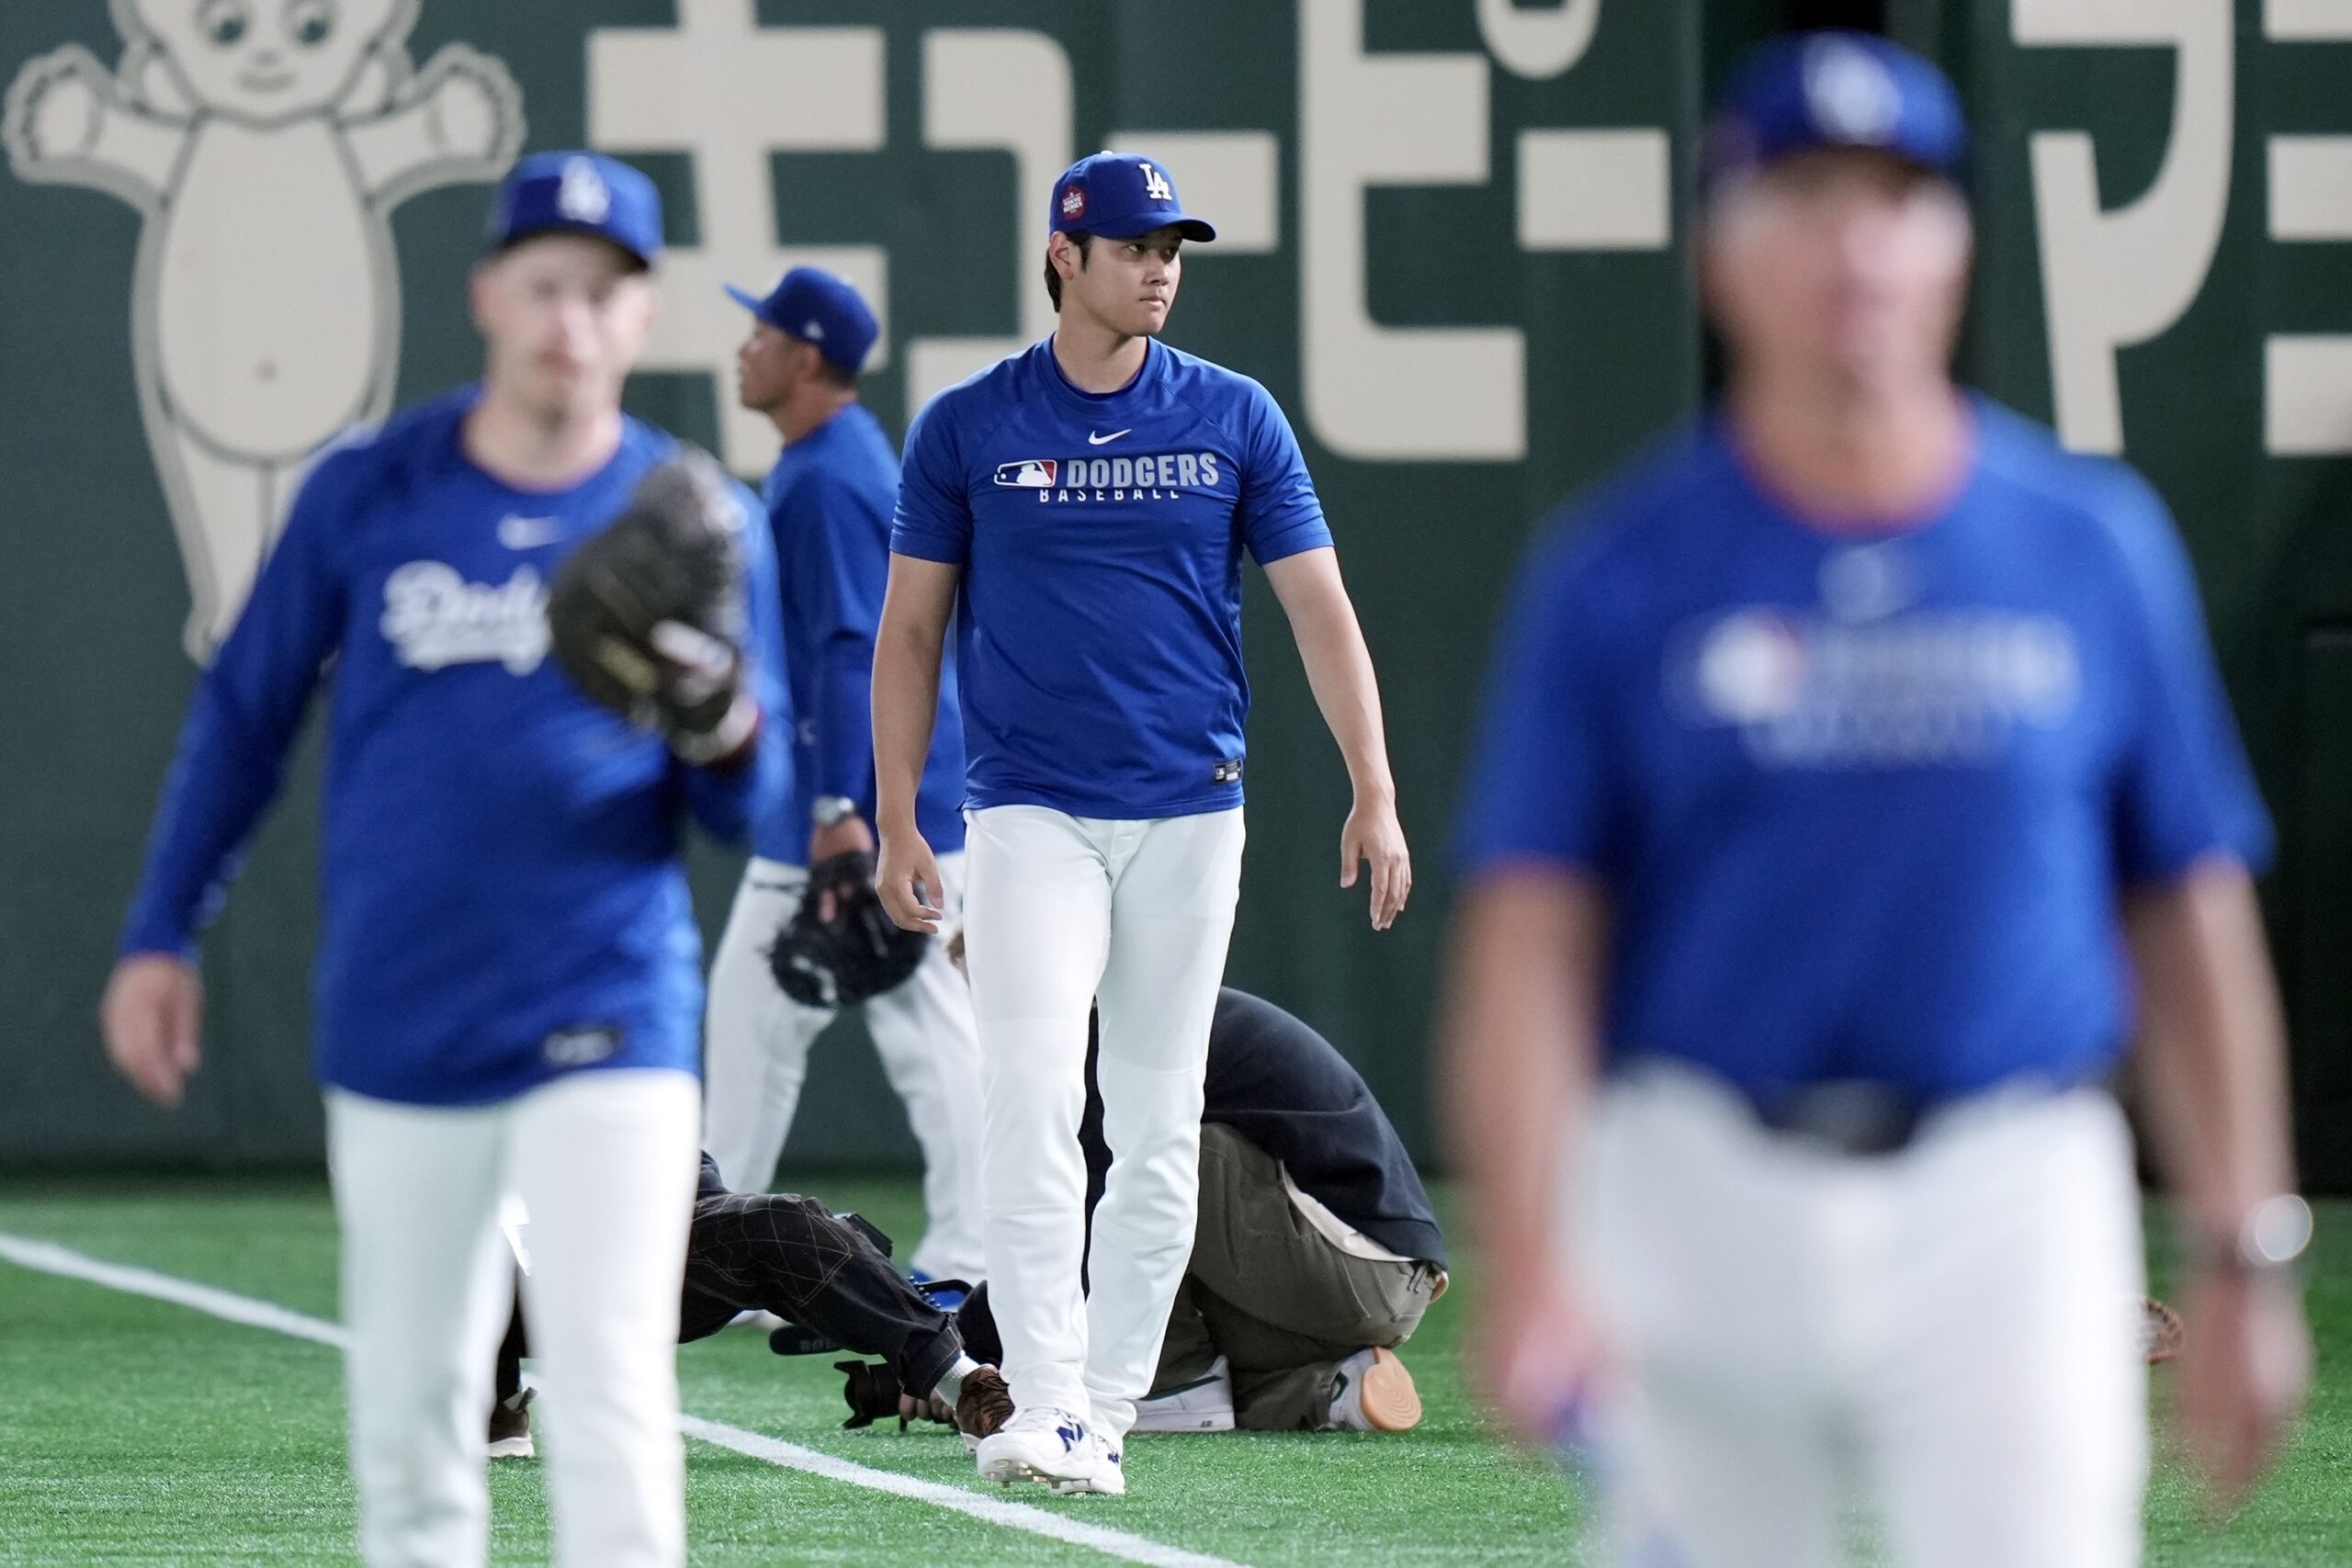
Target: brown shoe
985 1407
509 1428
1374 1392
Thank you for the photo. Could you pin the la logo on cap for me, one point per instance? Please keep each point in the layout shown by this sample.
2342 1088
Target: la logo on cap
583 196
1853 97
1073 202
1155 185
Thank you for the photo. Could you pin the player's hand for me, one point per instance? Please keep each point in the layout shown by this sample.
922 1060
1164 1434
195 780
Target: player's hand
1373 836
152 1017
908 880
1539 1358
2242 1372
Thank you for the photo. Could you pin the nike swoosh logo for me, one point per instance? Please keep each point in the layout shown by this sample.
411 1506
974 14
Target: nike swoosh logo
527 533
1093 440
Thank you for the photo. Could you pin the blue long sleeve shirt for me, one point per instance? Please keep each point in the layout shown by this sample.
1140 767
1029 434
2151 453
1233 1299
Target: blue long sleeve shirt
829 499
501 890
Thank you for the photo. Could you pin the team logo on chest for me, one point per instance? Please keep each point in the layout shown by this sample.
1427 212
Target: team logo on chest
434 617
1150 476
1929 688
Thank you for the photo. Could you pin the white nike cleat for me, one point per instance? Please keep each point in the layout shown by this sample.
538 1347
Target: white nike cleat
1202 1406
1374 1392
1044 1445
1106 1474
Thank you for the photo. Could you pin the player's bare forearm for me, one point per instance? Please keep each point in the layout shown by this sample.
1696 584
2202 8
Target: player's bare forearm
2212 1050
907 650
1520 1047
2213 1069
1339 669
1339 665
1522 1029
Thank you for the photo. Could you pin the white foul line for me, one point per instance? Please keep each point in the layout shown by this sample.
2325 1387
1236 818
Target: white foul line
48 1257
979 1505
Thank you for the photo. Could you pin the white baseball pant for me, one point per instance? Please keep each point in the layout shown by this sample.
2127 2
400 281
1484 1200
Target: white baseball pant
756 1057
605 1162
1131 919
1945 1337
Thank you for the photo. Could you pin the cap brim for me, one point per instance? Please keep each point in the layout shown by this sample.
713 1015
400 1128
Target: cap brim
1190 228
585 231
1756 163
743 297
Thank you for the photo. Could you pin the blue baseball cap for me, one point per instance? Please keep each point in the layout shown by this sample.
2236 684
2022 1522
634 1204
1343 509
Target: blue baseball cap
1833 88
579 193
1121 195
817 307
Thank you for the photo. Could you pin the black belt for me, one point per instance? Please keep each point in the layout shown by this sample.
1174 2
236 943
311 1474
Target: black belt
1866 1118
1860 1117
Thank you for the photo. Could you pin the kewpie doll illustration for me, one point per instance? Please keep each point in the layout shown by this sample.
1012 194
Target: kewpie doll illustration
267 142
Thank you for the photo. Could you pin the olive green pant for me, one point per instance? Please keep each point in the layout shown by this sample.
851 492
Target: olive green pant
1270 1293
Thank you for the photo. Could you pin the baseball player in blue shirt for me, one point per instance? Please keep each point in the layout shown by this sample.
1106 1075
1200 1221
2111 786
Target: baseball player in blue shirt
508 984
1834 757
828 501
1080 510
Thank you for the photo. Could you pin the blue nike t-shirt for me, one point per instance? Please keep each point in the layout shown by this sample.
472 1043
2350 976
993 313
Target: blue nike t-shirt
1863 803
1101 536
829 499
503 897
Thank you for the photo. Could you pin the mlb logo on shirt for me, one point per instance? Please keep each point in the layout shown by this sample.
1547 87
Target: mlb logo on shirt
1036 473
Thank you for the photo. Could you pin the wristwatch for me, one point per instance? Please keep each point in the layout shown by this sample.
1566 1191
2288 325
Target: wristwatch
832 810
2273 1234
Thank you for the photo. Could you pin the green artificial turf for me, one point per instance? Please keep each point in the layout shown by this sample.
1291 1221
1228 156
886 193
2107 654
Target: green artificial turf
133 1431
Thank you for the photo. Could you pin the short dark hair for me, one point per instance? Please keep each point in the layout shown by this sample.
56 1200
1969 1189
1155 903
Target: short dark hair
828 372
1081 239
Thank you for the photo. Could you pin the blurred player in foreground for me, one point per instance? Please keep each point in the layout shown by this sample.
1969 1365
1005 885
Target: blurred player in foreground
829 503
1080 510
509 981
1832 757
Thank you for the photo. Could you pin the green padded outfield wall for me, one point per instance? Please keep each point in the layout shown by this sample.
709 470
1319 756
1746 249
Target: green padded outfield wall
1451 249
1447 251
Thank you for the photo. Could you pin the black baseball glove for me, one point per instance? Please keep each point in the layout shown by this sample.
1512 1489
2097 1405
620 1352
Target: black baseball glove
840 946
648 614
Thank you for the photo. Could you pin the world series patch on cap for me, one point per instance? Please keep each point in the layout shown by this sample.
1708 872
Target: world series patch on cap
1120 196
